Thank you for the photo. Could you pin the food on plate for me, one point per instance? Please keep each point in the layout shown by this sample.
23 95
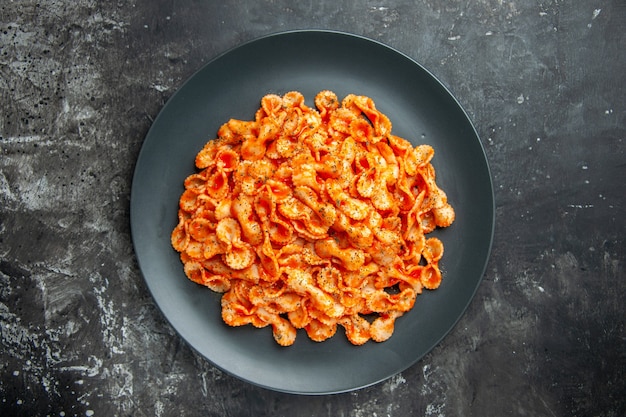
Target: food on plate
313 218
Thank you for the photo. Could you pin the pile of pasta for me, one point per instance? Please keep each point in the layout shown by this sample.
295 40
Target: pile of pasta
313 218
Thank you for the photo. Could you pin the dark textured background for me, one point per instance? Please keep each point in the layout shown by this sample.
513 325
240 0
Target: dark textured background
544 83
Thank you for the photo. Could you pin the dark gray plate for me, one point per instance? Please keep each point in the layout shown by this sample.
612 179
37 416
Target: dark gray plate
421 109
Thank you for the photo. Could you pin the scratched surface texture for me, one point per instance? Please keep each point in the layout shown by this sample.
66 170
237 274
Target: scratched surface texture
543 81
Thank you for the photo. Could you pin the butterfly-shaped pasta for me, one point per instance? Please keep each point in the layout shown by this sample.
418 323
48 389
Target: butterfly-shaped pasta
314 219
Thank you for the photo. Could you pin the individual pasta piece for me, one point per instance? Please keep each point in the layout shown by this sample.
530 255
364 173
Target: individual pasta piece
226 160
201 228
326 102
302 282
307 176
352 300
268 259
431 276
383 199
283 331
278 189
433 250
254 147
206 156
197 181
324 211
190 200
358 279
349 258
354 208
304 219
367 183
271 104
340 121
280 302
212 247
318 331
238 254
361 130
217 186
357 329
300 317
239 257
359 234
179 237
382 327
444 216
417 158
365 105
427 222
239 129
242 208
380 301
328 279
236 311
196 272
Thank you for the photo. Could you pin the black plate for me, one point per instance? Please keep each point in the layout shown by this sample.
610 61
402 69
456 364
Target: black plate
421 109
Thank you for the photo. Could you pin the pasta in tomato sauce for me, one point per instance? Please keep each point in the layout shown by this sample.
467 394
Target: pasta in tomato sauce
313 218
